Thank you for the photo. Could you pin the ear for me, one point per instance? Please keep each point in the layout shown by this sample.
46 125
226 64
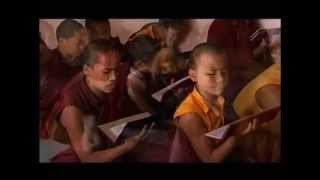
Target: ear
192 75
86 69
61 41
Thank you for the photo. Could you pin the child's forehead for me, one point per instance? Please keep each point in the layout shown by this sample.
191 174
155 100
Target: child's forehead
212 60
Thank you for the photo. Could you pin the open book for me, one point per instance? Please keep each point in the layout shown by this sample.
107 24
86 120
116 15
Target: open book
238 126
159 94
114 129
271 31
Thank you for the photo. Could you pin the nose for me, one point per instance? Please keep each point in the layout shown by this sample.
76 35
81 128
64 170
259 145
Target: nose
113 76
220 77
82 47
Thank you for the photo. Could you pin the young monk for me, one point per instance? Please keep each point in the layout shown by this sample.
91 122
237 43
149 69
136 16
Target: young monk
84 104
152 71
166 32
262 93
100 29
63 65
243 40
202 110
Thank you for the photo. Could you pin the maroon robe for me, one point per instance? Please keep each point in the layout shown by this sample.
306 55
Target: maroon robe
77 93
236 37
56 73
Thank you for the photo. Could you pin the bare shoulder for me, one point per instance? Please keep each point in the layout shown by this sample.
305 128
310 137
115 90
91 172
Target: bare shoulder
70 115
268 96
191 124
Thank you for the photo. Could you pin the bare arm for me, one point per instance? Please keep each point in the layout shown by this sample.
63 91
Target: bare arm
266 97
193 127
72 120
137 94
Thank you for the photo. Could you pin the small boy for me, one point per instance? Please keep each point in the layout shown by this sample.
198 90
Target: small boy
202 110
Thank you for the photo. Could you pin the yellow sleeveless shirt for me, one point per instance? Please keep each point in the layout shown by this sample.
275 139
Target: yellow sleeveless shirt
195 103
245 103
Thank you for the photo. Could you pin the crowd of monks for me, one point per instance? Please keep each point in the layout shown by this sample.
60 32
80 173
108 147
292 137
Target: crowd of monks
91 78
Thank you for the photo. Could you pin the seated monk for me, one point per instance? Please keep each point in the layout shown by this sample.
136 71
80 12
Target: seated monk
84 104
152 70
261 93
202 111
244 40
100 29
64 64
166 32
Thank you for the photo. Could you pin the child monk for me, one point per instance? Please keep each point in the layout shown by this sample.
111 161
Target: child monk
84 104
202 110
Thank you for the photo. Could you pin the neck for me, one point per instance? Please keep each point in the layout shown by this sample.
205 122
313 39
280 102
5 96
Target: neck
94 89
65 57
211 99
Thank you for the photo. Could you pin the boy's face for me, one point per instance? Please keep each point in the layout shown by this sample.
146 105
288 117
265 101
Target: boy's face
167 66
210 73
102 75
74 45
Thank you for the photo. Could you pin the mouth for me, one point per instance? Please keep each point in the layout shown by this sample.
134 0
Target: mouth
110 86
218 89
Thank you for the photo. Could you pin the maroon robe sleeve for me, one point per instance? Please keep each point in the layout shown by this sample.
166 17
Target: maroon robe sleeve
218 33
48 94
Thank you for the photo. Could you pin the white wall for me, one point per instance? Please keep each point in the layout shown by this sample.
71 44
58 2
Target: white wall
125 27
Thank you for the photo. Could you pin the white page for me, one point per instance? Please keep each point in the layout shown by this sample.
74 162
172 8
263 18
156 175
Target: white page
113 129
218 133
159 94
116 130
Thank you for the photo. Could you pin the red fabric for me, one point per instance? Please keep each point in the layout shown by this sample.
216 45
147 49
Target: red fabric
181 149
78 94
155 148
67 156
56 74
234 36
119 97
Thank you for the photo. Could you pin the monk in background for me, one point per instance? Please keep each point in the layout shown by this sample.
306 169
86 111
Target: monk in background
167 32
100 29
64 64
246 44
